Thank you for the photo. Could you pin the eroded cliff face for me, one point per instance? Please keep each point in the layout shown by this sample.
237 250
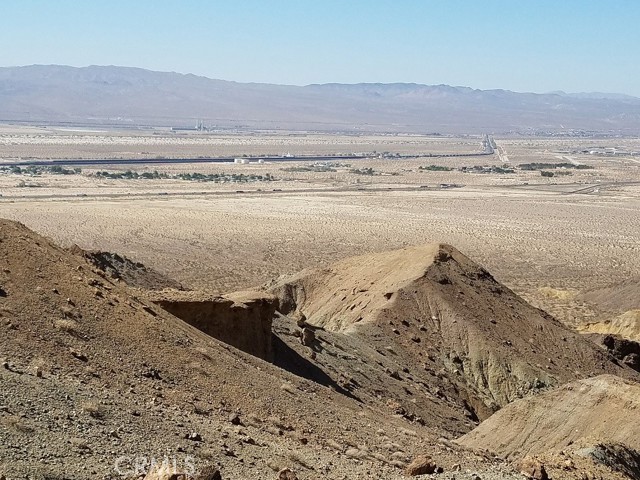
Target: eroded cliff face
242 319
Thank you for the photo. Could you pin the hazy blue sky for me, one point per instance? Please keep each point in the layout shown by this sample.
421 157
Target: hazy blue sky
522 45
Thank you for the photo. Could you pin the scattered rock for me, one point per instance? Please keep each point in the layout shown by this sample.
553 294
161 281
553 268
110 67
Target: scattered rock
301 320
287 474
421 465
164 472
194 437
287 387
632 360
308 337
79 355
532 469
208 473
152 373
234 418
393 374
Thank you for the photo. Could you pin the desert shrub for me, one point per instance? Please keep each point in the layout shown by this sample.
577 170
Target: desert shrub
436 168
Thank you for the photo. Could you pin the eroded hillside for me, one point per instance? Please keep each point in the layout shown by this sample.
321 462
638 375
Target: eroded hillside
354 371
439 311
92 374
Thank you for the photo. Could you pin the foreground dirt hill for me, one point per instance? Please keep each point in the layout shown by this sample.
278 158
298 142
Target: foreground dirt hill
596 417
433 307
93 378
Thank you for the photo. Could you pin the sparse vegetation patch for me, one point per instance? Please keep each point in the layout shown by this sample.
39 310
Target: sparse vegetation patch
317 167
189 177
35 170
487 169
547 166
435 168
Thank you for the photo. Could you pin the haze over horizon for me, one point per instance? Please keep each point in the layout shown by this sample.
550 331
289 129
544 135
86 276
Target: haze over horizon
525 47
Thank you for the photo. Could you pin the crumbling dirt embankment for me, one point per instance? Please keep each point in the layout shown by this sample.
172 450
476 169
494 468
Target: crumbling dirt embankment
242 319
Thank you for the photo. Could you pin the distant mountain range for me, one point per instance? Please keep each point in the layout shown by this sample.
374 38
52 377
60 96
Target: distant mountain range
108 95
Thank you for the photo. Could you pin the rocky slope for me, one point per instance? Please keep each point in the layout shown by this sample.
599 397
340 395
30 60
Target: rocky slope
132 273
97 381
625 325
434 307
92 375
